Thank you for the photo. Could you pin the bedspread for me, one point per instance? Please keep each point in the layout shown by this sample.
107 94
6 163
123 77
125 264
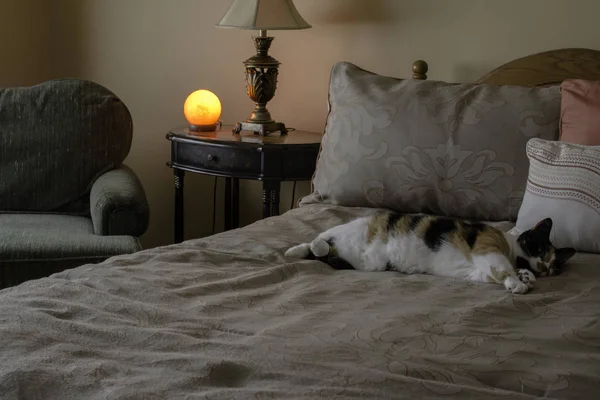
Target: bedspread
227 317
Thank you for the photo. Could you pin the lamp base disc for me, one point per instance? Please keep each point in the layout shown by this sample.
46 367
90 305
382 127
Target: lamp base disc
204 128
261 129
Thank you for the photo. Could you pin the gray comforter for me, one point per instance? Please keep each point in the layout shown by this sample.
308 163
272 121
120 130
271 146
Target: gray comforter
227 317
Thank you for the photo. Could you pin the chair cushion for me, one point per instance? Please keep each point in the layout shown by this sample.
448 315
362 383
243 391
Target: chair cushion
57 138
36 245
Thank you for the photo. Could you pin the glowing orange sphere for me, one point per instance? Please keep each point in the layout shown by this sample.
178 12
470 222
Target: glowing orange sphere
202 108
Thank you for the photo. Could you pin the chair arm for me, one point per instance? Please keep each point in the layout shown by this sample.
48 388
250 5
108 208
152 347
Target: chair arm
118 204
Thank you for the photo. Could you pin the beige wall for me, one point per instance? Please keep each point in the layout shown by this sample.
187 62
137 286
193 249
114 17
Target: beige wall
152 53
23 40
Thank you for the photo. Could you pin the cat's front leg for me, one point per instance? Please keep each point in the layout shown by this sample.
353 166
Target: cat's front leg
515 286
497 268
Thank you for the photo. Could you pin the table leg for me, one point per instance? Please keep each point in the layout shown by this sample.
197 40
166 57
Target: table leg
178 222
235 204
227 219
275 188
266 199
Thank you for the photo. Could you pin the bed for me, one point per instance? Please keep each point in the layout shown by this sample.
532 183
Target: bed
228 317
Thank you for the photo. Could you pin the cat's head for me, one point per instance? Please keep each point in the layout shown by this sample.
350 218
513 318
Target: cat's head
543 259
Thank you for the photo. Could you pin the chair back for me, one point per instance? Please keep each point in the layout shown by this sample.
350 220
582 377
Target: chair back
56 138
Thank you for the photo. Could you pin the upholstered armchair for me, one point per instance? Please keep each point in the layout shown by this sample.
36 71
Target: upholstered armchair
66 198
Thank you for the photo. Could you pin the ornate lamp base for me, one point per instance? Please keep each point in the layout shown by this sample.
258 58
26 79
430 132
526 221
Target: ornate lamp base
260 129
261 84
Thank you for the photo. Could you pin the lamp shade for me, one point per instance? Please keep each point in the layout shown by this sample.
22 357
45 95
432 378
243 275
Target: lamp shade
263 15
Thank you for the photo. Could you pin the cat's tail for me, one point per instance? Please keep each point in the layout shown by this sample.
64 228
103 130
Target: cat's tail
317 248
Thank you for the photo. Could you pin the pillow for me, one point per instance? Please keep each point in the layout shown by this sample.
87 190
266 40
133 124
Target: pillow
564 184
428 146
580 112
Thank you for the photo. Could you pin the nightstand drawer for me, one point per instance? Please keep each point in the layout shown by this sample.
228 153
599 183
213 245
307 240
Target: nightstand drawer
218 159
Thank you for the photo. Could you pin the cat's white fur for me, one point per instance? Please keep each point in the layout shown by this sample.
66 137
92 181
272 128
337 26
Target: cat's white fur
409 254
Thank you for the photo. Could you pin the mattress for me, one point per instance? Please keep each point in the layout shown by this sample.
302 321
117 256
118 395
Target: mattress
227 317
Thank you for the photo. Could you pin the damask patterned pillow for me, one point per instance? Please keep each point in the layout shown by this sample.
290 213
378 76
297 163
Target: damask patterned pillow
429 146
564 184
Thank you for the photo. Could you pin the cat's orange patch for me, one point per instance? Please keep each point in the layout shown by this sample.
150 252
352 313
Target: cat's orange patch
423 225
491 240
402 225
458 239
378 228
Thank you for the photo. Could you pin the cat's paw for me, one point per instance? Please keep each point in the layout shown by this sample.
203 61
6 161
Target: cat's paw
515 286
319 247
527 277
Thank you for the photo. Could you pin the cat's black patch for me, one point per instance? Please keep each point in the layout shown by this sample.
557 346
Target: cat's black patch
437 232
472 231
530 245
393 218
563 255
336 262
535 242
330 259
524 264
414 222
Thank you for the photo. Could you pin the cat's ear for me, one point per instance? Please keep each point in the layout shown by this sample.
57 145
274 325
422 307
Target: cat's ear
543 228
563 255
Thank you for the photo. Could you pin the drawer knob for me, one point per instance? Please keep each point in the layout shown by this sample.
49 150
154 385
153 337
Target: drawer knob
211 158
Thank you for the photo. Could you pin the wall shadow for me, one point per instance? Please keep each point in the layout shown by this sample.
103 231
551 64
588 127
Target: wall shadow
354 12
466 73
66 37
42 40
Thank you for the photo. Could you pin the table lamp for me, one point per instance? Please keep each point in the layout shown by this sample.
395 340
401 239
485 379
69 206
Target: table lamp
262 69
202 110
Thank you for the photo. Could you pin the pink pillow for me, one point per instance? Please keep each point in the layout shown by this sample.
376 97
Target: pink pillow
580 112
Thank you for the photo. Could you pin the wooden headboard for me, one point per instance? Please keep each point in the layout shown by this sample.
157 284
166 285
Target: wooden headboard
541 69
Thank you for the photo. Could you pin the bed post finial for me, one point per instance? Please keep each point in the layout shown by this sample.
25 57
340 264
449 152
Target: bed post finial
420 69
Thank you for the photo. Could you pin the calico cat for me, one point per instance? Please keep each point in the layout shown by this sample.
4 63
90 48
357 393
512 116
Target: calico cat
424 244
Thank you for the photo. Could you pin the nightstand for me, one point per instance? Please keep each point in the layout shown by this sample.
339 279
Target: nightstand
270 159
